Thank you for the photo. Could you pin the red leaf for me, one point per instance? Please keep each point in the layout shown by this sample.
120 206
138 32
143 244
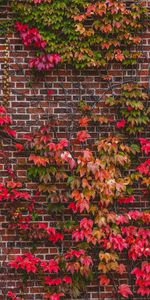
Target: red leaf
124 290
39 160
104 280
54 296
143 168
19 147
82 135
52 281
126 200
72 206
84 121
67 157
2 109
10 131
144 291
145 145
13 296
12 184
67 280
121 268
119 55
51 266
50 92
129 108
121 124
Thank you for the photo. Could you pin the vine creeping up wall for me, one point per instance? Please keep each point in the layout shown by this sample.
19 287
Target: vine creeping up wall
75 144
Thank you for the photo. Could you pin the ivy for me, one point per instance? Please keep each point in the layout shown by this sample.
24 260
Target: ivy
95 185
135 116
86 34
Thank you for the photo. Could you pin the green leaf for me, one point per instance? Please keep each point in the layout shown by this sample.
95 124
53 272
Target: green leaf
136 148
56 207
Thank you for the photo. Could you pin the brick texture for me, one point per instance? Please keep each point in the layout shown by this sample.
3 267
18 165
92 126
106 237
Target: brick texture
30 107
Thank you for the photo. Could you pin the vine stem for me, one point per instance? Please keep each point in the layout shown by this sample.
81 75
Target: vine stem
110 87
115 286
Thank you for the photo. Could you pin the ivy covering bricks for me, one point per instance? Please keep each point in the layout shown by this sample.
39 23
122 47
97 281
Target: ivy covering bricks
74 150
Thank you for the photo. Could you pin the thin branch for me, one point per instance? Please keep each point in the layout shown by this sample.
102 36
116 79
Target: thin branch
110 88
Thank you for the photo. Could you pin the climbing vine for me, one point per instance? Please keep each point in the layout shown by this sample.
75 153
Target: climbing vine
98 184
86 33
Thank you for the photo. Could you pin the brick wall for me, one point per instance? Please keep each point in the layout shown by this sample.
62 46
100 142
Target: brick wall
30 106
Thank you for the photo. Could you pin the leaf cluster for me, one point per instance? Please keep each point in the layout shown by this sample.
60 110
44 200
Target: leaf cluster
86 34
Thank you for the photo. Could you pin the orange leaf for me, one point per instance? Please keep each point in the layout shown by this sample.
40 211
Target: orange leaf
39 160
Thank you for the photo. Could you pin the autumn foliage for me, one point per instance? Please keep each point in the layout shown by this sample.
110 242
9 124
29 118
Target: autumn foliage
91 33
98 184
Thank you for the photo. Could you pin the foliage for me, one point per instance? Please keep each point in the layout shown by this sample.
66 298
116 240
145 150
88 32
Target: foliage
86 34
5 123
97 185
32 37
131 108
97 188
